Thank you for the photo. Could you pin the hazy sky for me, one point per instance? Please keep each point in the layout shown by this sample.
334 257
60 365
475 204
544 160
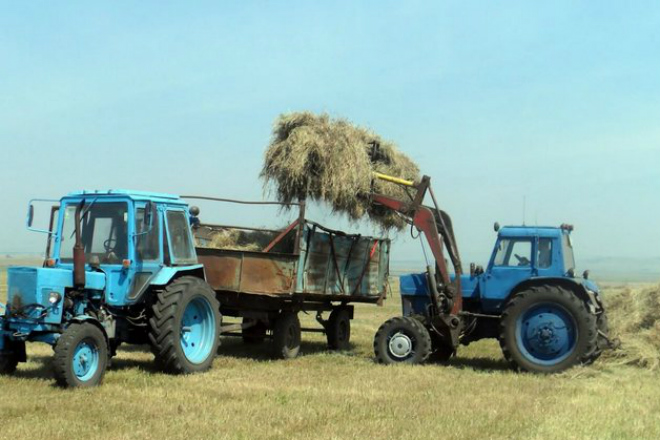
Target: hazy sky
556 102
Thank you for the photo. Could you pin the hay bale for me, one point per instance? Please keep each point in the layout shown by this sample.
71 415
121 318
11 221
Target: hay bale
232 239
634 317
330 160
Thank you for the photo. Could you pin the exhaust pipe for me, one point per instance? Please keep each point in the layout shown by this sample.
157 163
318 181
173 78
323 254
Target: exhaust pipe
78 253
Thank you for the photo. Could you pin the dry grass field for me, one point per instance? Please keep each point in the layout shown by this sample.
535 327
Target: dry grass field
324 395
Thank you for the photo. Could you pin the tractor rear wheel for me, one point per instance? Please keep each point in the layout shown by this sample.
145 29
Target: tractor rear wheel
338 329
602 341
286 336
81 356
547 329
402 340
185 326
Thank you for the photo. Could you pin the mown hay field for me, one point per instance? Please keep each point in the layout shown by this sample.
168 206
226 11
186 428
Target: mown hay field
323 395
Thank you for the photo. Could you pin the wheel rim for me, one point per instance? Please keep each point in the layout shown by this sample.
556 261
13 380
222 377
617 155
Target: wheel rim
546 334
401 345
85 361
198 330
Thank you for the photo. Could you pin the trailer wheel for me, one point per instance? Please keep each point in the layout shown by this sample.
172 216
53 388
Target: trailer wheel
338 329
81 356
547 329
8 363
286 336
185 326
402 340
256 333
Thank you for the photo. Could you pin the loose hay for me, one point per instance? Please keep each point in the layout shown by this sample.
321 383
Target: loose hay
634 317
330 160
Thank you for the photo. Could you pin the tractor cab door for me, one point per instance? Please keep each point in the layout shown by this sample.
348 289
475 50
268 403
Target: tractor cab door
148 248
511 263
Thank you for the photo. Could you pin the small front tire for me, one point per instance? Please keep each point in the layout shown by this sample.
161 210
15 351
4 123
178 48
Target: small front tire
81 356
402 340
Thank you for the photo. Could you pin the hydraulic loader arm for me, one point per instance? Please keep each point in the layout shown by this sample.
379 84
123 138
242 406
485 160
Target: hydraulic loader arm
435 224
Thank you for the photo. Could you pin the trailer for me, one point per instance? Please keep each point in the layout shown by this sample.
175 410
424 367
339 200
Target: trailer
304 267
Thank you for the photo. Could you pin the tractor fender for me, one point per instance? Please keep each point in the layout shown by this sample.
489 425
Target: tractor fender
591 298
167 274
92 320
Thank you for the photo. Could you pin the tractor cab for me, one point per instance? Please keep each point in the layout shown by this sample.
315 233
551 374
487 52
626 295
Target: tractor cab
521 254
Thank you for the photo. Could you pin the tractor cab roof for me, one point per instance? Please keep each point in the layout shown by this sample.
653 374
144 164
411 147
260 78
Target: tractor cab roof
134 195
534 231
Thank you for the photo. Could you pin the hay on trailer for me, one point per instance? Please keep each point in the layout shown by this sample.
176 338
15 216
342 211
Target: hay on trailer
331 160
231 239
634 317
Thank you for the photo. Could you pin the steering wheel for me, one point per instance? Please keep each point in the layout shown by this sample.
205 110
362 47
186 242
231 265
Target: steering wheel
522 261
110 244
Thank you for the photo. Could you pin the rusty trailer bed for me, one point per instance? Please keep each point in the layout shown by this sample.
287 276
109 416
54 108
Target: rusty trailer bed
330 266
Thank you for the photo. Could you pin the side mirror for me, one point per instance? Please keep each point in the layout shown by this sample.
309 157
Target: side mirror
473 269
496 226
585 274
30 215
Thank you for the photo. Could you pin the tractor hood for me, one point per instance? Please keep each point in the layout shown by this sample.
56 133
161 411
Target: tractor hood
29 290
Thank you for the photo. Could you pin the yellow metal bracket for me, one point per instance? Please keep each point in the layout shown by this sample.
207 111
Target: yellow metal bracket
393 179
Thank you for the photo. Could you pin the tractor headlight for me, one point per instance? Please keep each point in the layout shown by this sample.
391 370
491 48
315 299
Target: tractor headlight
54 298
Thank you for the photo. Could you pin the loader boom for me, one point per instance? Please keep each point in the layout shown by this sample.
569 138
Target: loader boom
434 226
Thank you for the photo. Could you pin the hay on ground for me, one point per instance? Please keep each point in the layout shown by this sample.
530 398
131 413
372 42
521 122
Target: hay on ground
634 317
331 160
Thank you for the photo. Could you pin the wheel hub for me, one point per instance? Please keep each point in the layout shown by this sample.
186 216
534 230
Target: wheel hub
400 345
547 334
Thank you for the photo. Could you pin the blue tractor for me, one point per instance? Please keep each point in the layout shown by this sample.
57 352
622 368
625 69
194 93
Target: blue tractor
528 297
121 267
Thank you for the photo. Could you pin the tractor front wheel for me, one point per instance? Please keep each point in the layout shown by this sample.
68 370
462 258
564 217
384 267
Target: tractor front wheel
402 340
547 329
81 356
185 326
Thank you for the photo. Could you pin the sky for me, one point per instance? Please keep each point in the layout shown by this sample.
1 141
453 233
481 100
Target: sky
550 106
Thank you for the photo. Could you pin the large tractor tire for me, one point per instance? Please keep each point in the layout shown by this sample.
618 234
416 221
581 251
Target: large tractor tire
602 341
402 340
185 326
338 329
547 329
286 336
81 356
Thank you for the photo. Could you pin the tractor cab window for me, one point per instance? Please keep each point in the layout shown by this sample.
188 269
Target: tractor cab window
545 253
567 249
180 240
147 246
514 252
103 229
